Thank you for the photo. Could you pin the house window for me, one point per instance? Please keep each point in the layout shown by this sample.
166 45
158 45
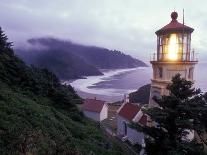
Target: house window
190 74
125 128
160 72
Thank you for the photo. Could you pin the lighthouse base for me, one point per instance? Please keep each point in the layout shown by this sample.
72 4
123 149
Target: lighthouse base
163 72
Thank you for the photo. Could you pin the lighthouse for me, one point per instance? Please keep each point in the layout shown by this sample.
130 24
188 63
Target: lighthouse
174 55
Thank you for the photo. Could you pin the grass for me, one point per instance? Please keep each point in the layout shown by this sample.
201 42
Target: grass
33 126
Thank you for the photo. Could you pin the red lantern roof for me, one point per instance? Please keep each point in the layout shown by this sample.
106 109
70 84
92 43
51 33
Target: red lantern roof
174 26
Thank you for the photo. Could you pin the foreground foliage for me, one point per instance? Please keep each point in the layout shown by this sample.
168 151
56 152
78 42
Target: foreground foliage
38 115
183 111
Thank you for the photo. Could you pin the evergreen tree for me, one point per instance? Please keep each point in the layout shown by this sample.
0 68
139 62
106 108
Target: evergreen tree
182 112
5 46
15 73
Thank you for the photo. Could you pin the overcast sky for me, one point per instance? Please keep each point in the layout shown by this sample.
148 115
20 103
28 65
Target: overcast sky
126 25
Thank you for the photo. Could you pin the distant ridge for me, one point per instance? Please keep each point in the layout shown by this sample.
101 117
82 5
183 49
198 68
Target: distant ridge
70 60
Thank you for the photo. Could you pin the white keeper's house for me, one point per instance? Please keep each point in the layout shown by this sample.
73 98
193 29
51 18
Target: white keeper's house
94 109
127 114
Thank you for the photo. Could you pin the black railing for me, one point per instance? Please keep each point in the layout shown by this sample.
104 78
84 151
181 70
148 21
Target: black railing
190 56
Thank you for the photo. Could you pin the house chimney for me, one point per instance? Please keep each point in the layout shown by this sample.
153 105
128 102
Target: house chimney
126 98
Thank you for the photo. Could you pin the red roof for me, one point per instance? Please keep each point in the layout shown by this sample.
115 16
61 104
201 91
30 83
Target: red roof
174 26
143 120
129 111
93 105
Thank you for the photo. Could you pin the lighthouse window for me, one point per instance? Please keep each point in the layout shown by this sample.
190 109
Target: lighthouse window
160 70
156 94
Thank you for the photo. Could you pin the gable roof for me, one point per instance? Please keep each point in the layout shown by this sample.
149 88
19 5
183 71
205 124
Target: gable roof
143 120
129 111
93 105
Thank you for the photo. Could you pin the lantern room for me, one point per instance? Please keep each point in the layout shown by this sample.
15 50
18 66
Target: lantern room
174 41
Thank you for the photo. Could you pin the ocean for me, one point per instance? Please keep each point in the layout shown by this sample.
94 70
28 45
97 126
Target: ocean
114 84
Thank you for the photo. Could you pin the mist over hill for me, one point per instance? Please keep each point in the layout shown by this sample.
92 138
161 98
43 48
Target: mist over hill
69 60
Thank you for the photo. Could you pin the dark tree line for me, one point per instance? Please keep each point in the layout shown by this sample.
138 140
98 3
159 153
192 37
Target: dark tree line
15 73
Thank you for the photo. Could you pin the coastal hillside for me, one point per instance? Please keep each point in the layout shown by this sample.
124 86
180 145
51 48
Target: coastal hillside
38 115
141 95
69 60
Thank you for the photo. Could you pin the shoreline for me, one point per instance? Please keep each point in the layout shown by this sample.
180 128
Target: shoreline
86 87
113 85
108 99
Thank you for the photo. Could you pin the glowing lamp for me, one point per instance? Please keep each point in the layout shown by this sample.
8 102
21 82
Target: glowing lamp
173 47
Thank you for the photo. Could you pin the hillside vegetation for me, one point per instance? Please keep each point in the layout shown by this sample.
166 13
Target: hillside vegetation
69 60
141 95
38 115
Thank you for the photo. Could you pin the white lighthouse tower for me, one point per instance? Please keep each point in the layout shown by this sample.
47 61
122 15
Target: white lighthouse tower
174 55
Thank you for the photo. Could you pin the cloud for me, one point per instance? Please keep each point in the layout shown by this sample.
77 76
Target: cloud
119 24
